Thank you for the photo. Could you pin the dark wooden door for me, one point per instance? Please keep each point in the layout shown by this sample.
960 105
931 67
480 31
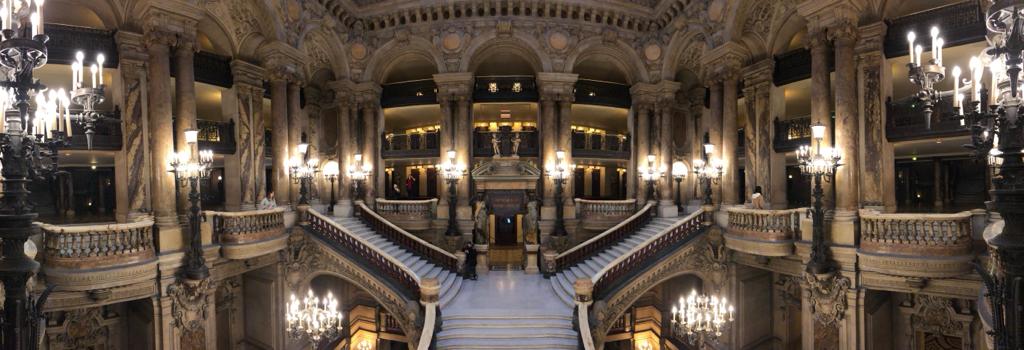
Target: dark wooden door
505 230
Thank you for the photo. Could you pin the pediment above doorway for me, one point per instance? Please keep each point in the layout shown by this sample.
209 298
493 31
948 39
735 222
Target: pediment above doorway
506 173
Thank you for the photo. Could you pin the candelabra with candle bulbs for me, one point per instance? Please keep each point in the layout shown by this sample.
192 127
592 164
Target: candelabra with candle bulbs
452 172
559 173
679 172
701 318
358 172
818 163
708 169
29 142
331 172
88 97
302 171
994 119
926 74
317 320
189 170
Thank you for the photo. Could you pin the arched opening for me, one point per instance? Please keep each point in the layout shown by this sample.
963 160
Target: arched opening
600 126
412 123
364 320
647 323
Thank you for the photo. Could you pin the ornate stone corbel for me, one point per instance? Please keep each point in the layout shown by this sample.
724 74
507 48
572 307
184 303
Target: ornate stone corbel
936 315
190 305
827 295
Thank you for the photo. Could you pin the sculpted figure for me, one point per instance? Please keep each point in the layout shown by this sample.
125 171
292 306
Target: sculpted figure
515 144
480 223
496 144
530 226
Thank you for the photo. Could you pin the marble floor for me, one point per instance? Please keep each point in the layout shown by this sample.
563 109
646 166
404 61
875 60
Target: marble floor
507 291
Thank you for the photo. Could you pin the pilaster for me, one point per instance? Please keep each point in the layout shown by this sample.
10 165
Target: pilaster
158 41
247 162
554 124
368 100
761 158
346 147
454 94
843 34
727 60
877 170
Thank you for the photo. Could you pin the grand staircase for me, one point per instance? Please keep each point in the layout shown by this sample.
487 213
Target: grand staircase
449 280
562 281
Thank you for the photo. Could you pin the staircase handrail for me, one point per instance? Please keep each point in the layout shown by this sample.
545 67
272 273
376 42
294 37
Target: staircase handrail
604 240
647 249
388 264
404 239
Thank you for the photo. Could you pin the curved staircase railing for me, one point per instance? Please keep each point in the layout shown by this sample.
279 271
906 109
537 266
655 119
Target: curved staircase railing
406 240
606 239
333 233
626 265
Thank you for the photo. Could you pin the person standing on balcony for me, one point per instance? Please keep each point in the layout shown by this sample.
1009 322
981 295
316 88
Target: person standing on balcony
268 202
757 199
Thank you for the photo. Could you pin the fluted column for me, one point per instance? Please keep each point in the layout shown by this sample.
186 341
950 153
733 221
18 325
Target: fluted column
565 144
713 125
451 87
185 104
821 92
666 94
463 118
555 124
369 105
847 140
877 170
280 137
642 141
161 129
131 170
246 103
546 123
760 132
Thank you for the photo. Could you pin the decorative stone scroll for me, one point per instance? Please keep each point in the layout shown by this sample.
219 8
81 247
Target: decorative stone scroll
827 295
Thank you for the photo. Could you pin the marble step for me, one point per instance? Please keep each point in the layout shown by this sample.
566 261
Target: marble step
469 323
449 290
523 343
507 334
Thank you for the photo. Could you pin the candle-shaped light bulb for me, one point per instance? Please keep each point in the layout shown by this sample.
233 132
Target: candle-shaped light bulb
956 86
976 73
92 70
935 49
99 60
34 20
917 53
938 44
910 49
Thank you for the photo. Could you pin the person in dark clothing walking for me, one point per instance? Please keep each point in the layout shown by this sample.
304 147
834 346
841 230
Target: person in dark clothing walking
469 268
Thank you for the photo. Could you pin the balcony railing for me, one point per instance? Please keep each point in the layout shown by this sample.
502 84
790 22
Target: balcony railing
413 215
484 147
790 134
624 268
905 121
406 240
763 232
415 145
940 243
97 246
598 145
217 136
239 227
392 269
600 215
605 240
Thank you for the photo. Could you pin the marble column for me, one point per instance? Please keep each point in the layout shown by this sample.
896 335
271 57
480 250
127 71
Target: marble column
161 137
750 132
730 164
642 143
295 130
280 137
131 170
463 120
713 126
345 148
312 125
185 104
565 144
369 106
666 147
877 171
450 88
247 162
847 127
762 133
549 145
821 92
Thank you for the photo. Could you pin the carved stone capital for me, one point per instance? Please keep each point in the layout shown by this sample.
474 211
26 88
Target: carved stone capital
453 85
247 74
130 46
282 62
342 90
176 17
557 86
843 33
758 77
871 39
725 62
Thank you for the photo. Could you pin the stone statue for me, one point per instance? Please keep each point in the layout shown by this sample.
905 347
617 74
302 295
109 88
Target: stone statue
480 223
530 224
515 144
496 144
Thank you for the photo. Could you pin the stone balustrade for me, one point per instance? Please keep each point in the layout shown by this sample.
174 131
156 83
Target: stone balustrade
411 215
924 245
600 215
83 257
763 232
245 234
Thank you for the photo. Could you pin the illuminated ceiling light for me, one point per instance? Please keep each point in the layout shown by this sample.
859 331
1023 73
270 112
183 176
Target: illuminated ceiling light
492 87
517 87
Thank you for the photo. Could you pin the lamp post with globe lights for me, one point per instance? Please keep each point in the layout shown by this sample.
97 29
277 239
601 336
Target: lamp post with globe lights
679 173
189 170
819 163
452 172
331 172
559 173
358 172
708 169
649 174
302 171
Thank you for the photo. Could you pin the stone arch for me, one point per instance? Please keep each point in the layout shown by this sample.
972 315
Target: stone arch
256 24
790 25
490 44
621 55
684 51
690 259
104 14
315 258
214 29
395 52
323 48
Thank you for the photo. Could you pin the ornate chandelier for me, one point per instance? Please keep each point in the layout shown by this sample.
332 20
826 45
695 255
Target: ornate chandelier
819 161
317 320
707 169
925 74
701 317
